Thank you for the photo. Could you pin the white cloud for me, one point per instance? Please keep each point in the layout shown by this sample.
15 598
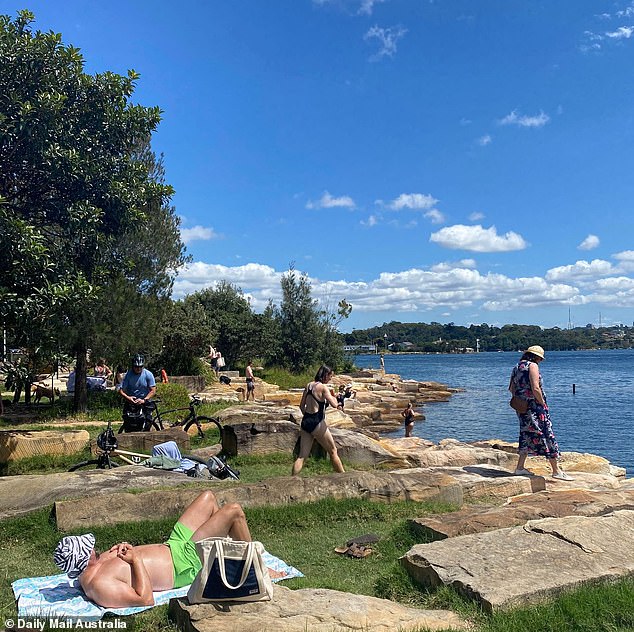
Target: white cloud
387 37
589 243
485 140
449 265
414 201
435 216
197 233
514 118
581 270
625 255
476 216
623 32
445 286
328 201
477 239
367 6
373 220
465 121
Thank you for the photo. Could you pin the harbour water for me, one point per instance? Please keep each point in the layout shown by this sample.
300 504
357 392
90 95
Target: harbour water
598 418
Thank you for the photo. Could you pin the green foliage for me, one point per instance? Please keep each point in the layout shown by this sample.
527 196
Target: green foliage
285 379
231 321
85 223
300 330
187 336
172 396
435 337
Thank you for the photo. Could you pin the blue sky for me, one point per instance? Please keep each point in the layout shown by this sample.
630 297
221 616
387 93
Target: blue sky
450 161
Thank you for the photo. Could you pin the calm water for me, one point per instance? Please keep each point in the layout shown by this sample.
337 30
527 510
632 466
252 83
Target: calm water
599 418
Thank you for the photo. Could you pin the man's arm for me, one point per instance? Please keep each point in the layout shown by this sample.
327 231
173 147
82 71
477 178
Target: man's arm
151 394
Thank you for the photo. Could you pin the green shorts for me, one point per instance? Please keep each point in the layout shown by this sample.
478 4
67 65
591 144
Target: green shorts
184 556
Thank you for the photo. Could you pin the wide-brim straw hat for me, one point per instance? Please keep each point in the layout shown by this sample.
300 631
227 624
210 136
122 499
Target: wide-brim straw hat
536 350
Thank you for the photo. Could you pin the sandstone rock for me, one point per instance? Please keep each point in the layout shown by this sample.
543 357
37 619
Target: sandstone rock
193 383
489 481
526 564
21 494
20 444
259 437
360 450
380 486
518 510
249 413
145 441
311 610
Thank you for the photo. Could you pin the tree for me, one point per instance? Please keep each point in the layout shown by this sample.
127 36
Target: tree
187 337
301 328
79 187
232 323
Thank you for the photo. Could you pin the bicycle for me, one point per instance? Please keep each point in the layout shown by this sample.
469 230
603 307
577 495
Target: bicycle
108 448
159 419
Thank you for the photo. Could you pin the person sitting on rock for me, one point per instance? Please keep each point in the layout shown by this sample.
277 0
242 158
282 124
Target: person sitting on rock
126 575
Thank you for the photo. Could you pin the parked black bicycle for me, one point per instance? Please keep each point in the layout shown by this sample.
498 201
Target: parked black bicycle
162 419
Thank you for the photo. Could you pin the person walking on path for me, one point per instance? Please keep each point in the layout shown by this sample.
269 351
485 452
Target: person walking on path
250 381
315 398
408 414
536 430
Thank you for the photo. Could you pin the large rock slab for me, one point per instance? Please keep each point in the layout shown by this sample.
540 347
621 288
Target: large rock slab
520 509
21 444
527 564
21 494
145 441
259 437
311 610
379 486
482 482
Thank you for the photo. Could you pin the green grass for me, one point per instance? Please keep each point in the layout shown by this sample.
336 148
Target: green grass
305 535
284 379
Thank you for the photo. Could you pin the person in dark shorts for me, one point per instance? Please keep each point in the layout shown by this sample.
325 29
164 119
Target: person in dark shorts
250 382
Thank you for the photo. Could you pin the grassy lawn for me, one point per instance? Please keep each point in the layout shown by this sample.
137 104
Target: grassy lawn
305 535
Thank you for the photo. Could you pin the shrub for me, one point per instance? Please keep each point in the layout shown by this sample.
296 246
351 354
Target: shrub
172 396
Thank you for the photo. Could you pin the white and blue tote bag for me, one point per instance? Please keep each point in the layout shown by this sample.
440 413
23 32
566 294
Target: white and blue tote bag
232 570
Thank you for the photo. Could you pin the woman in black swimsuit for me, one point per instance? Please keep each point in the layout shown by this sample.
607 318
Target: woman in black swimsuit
408 413
313 406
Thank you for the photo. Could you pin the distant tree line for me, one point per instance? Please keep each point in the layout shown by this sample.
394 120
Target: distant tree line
451 338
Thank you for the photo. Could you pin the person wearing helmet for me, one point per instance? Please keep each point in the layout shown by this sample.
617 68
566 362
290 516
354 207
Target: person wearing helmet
137 389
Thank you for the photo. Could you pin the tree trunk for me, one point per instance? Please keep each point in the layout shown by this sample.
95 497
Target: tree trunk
80 403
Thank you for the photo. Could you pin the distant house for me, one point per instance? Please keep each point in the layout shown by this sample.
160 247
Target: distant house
360 348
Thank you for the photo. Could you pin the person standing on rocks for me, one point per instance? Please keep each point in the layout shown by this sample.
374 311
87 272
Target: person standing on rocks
250 381
382 361
408 414
536 430
315 398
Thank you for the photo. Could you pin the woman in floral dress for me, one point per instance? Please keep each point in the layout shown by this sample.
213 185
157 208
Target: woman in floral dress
536 430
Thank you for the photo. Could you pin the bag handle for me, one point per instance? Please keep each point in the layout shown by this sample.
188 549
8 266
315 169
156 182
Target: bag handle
220 556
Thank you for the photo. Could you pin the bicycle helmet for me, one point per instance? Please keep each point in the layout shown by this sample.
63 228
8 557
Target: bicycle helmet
138 360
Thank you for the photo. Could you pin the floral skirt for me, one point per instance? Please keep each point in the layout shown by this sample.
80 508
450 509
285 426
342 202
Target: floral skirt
537 436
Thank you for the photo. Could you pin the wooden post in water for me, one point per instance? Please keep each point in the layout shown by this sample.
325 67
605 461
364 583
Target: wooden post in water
574 389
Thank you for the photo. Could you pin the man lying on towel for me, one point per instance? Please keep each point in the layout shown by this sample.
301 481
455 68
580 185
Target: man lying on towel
127 575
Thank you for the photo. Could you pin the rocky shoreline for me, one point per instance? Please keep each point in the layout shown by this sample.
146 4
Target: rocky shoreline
512 540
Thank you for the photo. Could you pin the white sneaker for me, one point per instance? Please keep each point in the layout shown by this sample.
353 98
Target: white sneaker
562 476
523 472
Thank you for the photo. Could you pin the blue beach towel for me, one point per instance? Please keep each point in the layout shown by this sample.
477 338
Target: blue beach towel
57 596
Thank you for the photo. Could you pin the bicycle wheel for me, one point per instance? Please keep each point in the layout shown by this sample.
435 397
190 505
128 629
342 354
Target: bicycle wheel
213 433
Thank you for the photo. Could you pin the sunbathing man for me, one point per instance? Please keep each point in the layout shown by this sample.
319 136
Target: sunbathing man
127 575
